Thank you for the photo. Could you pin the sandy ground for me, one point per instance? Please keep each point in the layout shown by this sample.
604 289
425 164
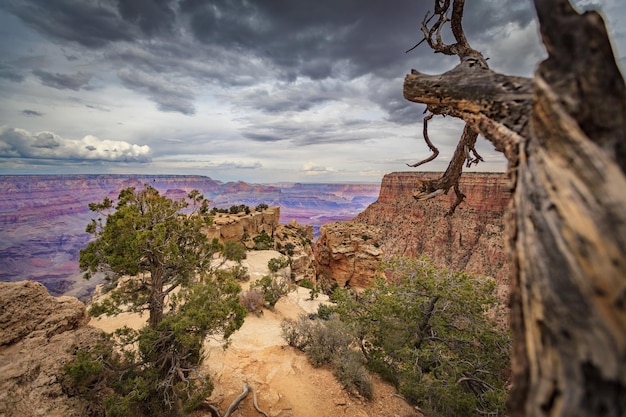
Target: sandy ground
286 383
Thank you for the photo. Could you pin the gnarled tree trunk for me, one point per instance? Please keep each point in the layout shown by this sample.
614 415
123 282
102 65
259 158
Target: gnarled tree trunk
564 135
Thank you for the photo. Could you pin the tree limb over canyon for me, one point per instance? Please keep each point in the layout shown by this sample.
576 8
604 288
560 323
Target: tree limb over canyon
563 133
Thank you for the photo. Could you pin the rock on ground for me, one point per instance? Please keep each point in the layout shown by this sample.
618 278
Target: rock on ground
38 336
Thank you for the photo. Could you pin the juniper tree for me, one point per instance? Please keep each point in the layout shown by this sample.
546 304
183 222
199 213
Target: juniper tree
161 246
148 236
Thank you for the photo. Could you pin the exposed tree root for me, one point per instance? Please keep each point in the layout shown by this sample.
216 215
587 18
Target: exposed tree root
246 389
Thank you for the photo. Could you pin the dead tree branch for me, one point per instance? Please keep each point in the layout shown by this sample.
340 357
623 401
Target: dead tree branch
470 58
564 135
428 142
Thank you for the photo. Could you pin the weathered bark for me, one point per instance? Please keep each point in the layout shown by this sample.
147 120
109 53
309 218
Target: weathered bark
493 104
156 298
566 147
569 310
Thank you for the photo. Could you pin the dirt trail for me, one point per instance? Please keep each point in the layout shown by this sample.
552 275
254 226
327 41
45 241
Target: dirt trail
286 383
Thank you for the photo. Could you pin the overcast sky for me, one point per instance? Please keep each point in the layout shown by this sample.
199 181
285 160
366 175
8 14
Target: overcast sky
253 90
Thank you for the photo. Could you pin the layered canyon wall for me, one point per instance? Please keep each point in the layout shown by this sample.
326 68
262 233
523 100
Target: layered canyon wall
471 240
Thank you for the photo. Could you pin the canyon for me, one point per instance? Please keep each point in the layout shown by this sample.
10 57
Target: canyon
42 230
43 217
42 220
471 240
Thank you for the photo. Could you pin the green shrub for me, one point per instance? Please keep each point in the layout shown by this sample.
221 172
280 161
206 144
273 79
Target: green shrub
350 371
425 330
85 370
288 249
237 272
261 207
273 288
298 333
276 264
238 209
240 273
263 241
325 311
234 251
306 283
328 341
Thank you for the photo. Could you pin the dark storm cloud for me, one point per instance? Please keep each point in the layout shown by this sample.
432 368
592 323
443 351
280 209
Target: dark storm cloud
152 16
167 95
11 73
63 81
480 16
263 137
325 38
89 23
388 95
168 49
316 132
33 113
285 97
235 165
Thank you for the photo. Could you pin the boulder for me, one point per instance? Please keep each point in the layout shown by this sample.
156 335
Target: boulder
348 253
39 334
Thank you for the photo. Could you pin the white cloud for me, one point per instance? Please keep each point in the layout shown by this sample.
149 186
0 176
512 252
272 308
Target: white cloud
235 165
20 143
311 168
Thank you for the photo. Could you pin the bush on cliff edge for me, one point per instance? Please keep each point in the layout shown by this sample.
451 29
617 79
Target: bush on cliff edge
426 330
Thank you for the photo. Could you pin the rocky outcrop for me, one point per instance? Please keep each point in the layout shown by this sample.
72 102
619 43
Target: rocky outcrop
471 240
38 335
242 226
295 240
348 253
29 311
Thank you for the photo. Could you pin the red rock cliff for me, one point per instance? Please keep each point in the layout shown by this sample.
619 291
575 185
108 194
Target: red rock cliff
471 240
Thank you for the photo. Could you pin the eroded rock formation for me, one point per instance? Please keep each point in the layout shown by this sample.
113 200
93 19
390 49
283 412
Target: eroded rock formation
472 241
348 254
295 240
242 226
38 336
